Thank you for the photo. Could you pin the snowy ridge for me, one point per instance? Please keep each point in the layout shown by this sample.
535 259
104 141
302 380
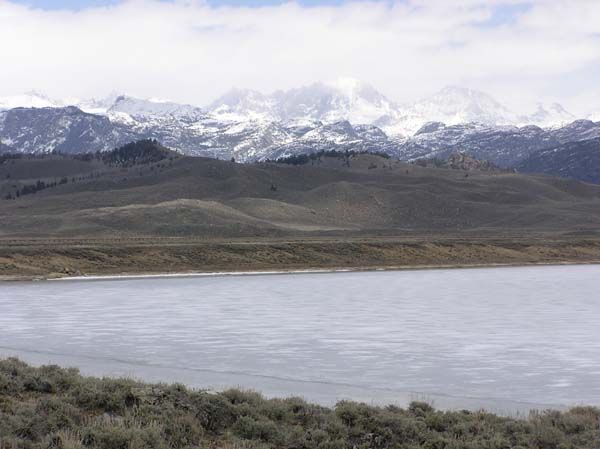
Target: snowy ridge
357 102
32 99
343 99
455 105
152 108
251 126
553 115
594 117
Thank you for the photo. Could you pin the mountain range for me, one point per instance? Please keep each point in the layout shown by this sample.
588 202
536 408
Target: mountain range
251 126
345 99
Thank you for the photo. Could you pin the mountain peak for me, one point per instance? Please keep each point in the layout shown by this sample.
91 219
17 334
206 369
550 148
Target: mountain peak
152 108
243 104
549 116
454 104
38 94
347 85
29 99
461 90
459 93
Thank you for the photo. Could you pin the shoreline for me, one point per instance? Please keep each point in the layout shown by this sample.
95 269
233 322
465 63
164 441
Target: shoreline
315 270
323 393
81 259
45 260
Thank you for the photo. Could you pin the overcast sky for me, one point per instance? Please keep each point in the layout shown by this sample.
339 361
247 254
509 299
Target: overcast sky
193 51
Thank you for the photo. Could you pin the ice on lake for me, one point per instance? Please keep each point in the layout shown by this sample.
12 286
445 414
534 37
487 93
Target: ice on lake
495 337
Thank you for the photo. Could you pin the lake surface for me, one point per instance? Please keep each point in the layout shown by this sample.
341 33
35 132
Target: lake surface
503 338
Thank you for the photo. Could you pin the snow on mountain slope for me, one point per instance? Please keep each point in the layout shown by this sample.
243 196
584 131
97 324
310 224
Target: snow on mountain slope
251 126
333 133
553 115
501 145
249 143
68 130
148 109
244 104
451 106
457 105
344 99
577 131
32 99
96 105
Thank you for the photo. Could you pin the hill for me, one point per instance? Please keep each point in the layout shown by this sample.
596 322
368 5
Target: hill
575 160
459 161
167 194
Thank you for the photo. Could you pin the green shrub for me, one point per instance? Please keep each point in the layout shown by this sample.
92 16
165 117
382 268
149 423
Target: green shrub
49 407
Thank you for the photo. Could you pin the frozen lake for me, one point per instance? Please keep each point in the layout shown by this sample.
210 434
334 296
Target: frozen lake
503 338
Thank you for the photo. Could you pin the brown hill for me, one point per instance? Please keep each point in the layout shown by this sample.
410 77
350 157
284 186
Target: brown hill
173 195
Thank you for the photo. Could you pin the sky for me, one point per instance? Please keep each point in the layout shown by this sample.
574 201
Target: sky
82 4
192 51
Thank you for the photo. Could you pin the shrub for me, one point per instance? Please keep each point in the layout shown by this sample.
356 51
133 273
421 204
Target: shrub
49 407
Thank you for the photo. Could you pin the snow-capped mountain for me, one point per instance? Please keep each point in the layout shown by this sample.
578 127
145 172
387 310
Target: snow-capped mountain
458 105
359 103
502 145
452 106
240 105
553 115
154 109
32 99
577 131
68 130
95 105
344 99
252 126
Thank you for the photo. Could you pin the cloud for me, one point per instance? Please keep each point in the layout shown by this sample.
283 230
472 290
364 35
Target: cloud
191 51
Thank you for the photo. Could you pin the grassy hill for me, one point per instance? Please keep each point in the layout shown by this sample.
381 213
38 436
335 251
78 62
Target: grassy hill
156 192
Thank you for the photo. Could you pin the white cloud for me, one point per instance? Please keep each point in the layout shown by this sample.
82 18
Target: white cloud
192 52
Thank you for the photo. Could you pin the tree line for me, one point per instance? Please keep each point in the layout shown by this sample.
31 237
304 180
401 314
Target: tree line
305 158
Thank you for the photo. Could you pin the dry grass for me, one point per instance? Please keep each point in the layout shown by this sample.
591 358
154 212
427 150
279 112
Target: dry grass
34 258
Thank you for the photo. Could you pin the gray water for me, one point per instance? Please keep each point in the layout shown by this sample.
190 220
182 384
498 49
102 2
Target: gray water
494 337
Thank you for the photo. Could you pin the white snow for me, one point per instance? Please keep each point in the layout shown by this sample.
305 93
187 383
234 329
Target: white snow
547 116
594 117
329 102
32 99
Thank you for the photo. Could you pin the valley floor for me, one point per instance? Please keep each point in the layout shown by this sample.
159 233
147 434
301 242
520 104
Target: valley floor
26 259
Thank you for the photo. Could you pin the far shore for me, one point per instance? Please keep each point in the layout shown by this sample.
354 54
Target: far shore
37 259
194 274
